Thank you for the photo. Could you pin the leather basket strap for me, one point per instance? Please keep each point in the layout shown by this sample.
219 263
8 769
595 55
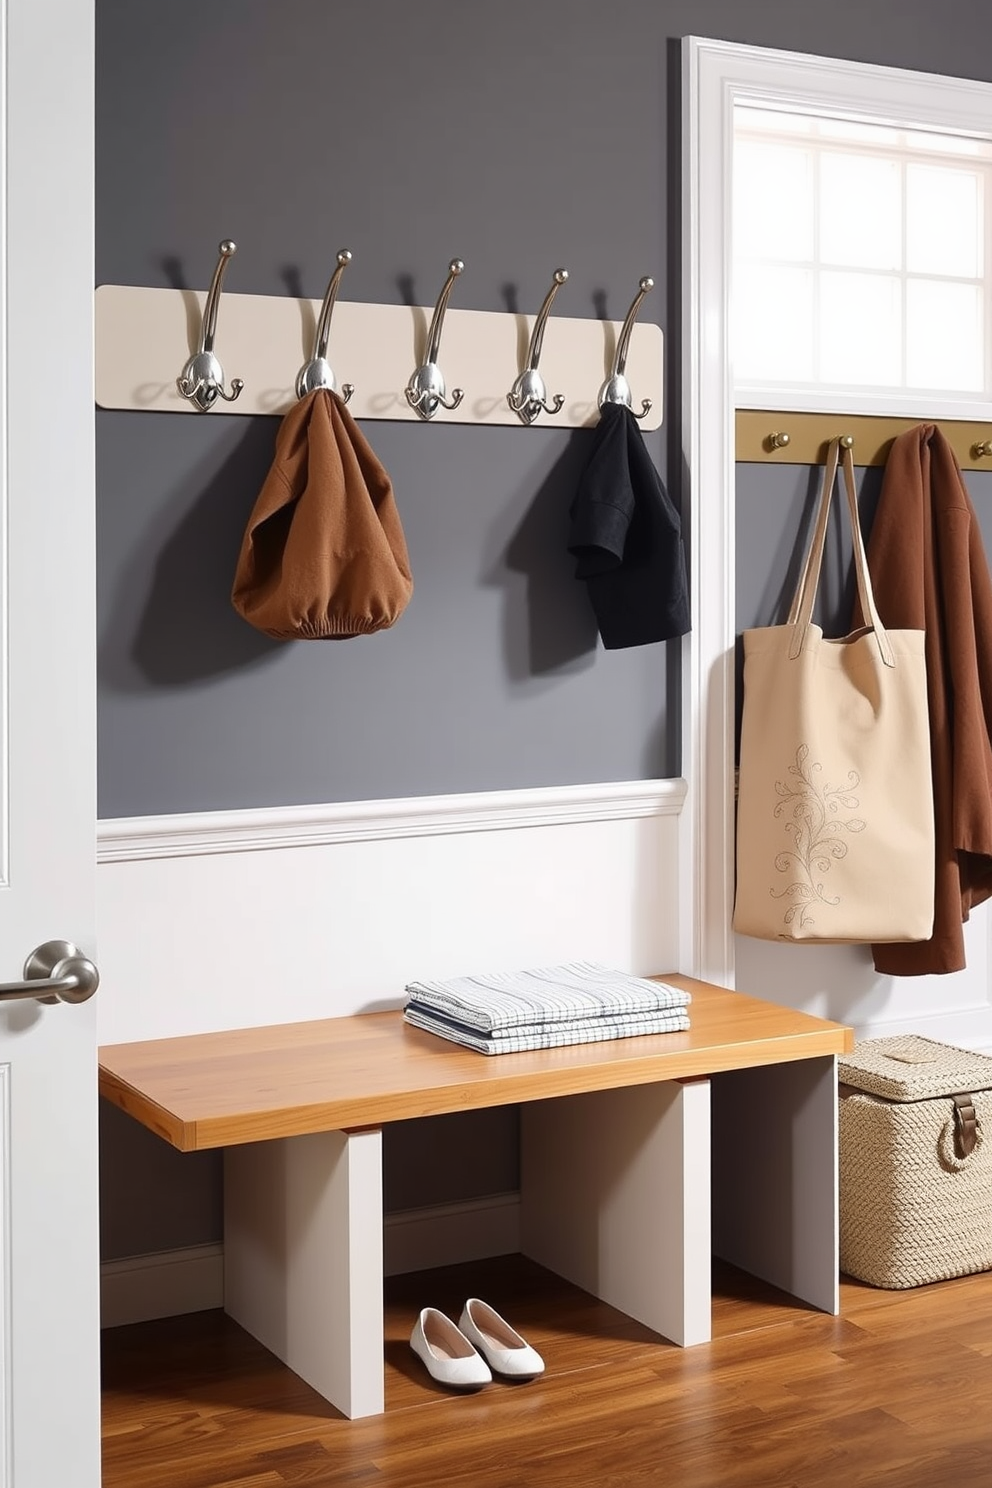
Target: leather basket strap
965 1124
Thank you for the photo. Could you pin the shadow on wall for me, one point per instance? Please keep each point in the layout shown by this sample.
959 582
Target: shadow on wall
662 741
554 627
153 1198
829 981
186 628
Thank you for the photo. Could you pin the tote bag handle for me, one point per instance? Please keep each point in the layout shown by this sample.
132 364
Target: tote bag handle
801 611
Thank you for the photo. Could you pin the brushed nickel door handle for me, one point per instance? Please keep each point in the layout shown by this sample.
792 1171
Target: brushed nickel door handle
55 972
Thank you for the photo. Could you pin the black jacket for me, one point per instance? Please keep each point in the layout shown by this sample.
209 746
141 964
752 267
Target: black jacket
627 538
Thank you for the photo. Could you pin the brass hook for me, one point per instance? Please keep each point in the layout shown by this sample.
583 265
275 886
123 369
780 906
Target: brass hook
777 441
202 378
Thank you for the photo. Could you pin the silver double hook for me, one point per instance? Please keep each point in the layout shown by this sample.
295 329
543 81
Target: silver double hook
529 394
425 392
316 373
202 378
616 388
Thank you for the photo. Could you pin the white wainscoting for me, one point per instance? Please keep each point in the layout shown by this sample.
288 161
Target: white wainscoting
237 919
841 982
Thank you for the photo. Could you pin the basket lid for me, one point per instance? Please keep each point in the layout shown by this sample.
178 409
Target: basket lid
909 1068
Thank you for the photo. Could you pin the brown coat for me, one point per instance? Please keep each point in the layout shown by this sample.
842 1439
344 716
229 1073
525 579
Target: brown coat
323 556
929 571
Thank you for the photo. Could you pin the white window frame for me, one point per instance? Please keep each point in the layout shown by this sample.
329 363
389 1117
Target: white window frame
716 75
887 400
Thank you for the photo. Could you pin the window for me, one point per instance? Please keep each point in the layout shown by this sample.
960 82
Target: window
860 255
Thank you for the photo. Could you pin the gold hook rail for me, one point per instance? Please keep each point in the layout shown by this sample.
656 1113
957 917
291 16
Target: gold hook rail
802 438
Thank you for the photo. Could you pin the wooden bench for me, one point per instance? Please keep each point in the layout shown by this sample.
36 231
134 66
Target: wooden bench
640 1158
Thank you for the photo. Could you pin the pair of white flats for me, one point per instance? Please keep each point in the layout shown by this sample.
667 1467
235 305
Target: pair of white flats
466 1357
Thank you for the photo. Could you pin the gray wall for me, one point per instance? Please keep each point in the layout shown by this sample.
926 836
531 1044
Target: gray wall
518 137
775 509
298 128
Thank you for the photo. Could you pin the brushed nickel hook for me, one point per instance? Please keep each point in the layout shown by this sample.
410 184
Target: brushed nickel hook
616 388
529 395
425 392
316 373
202 378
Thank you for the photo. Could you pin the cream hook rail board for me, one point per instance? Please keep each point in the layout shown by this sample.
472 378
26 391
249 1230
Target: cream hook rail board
144 336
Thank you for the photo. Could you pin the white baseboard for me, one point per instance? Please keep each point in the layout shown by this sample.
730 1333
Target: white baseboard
963 1028
417 1239
168 1283
162 1284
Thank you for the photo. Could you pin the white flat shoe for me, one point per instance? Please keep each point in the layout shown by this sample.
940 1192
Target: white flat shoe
504 1350
447 1353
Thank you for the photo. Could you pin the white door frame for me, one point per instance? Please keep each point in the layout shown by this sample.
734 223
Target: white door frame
48 1115
714 75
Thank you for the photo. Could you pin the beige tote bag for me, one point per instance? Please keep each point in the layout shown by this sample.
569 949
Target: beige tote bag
835 828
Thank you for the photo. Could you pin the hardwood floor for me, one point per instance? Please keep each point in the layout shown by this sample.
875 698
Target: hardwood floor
894 1393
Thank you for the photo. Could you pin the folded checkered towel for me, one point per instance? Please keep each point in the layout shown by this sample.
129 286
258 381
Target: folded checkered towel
516 1000
549 1035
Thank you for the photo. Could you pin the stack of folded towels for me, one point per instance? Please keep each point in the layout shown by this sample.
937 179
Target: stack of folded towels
581 1003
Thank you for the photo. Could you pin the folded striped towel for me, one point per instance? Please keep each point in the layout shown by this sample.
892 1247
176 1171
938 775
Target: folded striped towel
549 1035
516 1000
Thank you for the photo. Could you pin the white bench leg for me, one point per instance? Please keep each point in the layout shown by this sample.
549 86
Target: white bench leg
303 1258
775 1176
615 1197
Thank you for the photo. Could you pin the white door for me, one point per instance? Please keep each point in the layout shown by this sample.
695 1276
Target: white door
49 1280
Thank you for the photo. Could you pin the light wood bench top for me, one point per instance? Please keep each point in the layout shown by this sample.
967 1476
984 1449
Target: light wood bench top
336 1074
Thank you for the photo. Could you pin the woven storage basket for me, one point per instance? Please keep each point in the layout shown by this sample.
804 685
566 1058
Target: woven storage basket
915 1168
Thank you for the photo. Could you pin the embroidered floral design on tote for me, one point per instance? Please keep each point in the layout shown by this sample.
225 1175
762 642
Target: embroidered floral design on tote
814 822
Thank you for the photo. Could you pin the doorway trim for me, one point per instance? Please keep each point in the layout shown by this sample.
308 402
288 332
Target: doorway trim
715 75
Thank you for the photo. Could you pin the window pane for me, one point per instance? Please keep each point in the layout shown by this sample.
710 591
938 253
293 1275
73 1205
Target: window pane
948 144
860 329
773 201
860 211
943 220
865 133
773 324
944 335
860 254
772 121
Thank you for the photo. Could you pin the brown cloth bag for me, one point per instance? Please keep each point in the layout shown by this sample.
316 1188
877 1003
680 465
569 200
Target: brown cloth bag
930 571
323 555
